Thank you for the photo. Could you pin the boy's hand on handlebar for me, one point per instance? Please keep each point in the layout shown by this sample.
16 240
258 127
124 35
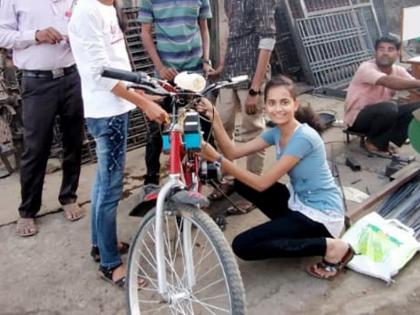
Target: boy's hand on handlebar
167 73
205 107
156 113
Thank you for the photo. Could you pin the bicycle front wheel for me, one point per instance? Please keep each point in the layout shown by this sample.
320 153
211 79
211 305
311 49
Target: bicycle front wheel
201 273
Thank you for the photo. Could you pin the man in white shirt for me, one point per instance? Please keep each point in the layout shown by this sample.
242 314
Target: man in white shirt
37 33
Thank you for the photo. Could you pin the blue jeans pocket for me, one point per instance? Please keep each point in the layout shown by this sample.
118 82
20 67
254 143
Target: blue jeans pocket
110 136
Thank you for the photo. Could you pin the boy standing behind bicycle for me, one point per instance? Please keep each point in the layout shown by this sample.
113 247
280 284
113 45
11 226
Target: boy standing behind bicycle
97 40
182 44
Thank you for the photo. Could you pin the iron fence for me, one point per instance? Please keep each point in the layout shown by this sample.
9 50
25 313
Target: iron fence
334 36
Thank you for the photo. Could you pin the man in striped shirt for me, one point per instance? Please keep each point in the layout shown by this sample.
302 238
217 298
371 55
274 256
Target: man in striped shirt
182 37
182 44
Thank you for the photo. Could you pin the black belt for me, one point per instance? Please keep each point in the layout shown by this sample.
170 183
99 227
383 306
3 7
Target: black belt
49 74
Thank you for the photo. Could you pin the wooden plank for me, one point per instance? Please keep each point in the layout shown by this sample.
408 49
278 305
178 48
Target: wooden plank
405 175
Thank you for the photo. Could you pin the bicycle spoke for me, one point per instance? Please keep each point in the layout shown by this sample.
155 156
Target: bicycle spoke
209 306
209 286
185 233
207 272
153 311
214 297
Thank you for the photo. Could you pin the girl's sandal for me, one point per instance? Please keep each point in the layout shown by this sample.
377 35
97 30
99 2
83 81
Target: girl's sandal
224 189
331 268
241 207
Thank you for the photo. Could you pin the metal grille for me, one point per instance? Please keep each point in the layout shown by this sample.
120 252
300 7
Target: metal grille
373 12
285 57
334 45
138 55
307 8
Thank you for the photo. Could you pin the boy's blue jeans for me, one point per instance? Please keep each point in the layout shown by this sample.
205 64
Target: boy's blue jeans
110 136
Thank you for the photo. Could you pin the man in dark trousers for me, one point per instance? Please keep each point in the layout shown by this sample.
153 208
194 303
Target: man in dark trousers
369 108
36 31
250 41
182 44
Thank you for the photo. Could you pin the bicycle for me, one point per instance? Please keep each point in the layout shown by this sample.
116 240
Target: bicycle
178 249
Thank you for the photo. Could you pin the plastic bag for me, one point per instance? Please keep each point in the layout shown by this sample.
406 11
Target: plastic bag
385 246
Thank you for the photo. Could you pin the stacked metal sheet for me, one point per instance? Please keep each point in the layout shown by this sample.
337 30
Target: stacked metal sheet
334 37
404 205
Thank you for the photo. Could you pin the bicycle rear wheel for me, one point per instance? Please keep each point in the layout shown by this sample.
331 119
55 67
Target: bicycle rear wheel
218 287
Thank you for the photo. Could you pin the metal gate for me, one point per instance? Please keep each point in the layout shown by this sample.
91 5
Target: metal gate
334 37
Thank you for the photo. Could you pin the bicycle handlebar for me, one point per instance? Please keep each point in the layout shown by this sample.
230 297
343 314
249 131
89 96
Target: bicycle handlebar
144 81
134 77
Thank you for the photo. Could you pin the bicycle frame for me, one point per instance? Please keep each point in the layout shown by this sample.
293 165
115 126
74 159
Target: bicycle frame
175 173
190 180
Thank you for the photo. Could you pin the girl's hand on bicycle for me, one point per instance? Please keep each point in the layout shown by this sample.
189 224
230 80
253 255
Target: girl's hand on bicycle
205 107
208 152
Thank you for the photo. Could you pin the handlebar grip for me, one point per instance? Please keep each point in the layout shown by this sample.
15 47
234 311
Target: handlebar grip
139 77
239 79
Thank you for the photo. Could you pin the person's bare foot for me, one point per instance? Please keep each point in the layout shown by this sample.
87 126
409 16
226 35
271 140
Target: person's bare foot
73 212
393 149
26 227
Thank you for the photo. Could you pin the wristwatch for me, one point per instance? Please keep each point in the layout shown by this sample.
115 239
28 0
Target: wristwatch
218 161
252 92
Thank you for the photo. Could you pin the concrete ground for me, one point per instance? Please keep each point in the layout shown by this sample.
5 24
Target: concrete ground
52 273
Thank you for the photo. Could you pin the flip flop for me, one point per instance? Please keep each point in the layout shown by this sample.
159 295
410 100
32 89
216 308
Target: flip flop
72 212
242 207
26 227
225 188
106 274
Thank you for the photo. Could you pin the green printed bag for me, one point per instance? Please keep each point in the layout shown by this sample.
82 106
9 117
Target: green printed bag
385 246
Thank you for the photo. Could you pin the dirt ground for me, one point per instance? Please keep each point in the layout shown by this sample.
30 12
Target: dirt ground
52 273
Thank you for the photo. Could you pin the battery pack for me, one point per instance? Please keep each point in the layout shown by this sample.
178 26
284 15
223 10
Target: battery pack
192 132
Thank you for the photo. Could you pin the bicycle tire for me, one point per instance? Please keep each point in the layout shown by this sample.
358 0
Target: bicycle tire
227 261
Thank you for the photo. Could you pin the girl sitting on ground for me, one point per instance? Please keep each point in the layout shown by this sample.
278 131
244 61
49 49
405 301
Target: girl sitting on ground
307 215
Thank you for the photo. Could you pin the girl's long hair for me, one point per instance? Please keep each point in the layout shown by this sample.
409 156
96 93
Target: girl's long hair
304 114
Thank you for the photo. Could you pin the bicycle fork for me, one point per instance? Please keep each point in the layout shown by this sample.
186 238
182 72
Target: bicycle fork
173 182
